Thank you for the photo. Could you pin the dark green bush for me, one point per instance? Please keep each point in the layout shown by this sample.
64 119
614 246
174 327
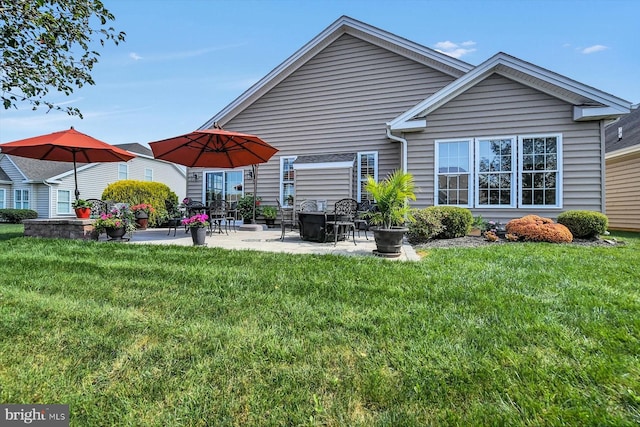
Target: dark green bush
584 224
15 216
426 225
456 221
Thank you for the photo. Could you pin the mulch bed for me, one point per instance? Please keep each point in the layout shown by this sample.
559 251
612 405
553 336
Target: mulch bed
475 242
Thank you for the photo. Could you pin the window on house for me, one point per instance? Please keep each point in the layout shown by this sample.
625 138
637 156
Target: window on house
506 174
367 166
540 160
64 201
3 198
21 199
223 185
123 171
495 177
453 172
287 181
148 174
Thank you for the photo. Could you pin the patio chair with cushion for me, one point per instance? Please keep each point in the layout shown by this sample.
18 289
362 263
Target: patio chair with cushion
342 220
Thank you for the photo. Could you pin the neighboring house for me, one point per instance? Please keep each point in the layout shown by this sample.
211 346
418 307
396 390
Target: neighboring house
504 138
48 187
623 172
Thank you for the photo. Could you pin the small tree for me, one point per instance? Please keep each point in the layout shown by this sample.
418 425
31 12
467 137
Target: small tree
45 44
391 195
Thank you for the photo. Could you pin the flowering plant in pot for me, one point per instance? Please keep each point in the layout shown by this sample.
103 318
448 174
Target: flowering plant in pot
142 212
196 221
118 218
391 211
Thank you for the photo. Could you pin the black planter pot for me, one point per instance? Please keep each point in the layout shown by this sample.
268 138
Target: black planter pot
115 233
198 235
389 241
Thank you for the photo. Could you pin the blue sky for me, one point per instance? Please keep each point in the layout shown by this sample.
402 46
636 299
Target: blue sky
183 61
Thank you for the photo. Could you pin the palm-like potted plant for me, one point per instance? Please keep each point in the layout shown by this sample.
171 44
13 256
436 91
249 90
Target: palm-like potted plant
391 211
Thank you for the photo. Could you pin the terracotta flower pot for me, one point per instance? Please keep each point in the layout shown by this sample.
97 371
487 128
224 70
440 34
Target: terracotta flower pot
83 213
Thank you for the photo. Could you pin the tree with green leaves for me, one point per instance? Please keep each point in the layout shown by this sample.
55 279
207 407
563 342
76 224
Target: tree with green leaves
47 45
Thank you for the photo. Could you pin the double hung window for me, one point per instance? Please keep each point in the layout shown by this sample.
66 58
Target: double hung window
64 201
367 167
21 199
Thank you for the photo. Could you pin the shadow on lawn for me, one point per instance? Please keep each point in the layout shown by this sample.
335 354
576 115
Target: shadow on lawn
10 231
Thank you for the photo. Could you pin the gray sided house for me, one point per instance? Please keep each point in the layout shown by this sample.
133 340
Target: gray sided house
48 187
623 172
505 138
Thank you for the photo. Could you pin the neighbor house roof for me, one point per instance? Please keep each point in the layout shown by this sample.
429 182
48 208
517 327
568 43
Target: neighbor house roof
623 134
136 148
344 25
40 170
589 103
3 176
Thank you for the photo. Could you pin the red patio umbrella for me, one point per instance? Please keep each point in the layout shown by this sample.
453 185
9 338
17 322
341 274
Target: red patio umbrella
215 148
67 146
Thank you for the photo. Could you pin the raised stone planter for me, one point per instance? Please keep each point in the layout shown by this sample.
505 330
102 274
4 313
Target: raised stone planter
62 228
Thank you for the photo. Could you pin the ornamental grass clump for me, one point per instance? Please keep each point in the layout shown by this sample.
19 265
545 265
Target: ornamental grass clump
584 224
538 229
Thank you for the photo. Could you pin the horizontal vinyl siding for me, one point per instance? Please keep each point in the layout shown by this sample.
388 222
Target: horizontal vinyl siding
623 193
498 106
331 184
338 102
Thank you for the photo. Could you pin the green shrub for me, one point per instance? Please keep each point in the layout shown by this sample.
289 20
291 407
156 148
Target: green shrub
15 216
584 224
426 225
456 221
135 192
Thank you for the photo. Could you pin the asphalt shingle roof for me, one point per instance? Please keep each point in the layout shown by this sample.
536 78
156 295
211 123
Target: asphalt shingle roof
630 125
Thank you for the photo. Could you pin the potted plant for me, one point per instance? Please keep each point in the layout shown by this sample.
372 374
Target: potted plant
198 226
116 223
142 212
270 213
245 207
82 208
391 211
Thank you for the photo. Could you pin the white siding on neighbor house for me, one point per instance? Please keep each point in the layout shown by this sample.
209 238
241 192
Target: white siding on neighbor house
499 106
623 192
324 184
338 102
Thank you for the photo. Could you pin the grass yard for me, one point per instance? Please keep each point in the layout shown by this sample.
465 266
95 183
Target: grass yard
133 335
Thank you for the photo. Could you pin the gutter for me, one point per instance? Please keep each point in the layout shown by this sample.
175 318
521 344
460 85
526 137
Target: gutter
403 142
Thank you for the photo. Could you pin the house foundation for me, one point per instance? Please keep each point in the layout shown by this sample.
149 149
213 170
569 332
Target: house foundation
62 228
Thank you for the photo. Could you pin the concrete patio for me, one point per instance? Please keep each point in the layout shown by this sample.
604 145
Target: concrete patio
267 240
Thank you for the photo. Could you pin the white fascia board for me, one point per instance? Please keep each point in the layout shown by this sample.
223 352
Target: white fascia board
415 125
325 165
623 152
491 65
581 113
6 182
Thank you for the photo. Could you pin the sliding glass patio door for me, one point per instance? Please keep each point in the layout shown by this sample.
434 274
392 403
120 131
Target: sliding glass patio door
223 185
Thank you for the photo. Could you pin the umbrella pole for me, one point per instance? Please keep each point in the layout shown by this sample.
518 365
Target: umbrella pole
75 175
255 190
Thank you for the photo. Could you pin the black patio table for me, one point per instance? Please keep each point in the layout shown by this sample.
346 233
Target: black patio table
313 226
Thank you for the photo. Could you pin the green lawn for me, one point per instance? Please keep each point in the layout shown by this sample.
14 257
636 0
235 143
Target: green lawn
514 334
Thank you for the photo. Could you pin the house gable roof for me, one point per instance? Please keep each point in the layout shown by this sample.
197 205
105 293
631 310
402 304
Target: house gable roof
40 170
4 177
589 103
624 134
136 148
344 25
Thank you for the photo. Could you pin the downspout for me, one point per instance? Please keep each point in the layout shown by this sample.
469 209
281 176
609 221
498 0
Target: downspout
403 143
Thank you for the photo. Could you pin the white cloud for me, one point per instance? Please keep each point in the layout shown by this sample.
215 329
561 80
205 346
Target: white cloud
454 49
135 56
593 49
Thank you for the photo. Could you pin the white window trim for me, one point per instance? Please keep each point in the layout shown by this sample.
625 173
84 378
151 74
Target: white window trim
281 181
375 169
471 180
514 173
69 211
148 176
559 178
22 191
3 198
126 166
